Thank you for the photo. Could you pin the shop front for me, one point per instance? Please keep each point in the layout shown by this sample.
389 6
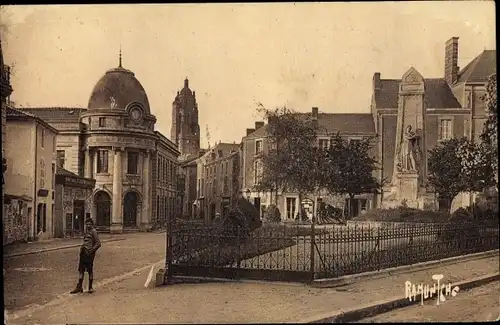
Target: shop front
72 203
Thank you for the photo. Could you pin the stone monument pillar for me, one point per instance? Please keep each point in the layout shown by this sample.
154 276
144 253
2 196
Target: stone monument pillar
410 159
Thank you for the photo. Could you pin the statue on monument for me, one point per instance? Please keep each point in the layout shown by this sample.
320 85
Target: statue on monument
409 150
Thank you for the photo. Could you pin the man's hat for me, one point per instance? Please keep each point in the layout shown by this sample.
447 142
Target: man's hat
89 221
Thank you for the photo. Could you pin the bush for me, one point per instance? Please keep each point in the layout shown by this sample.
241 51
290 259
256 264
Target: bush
273 214
461 215
243 216
404 214
250 213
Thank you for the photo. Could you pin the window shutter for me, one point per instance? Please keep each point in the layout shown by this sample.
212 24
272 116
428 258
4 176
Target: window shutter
440 122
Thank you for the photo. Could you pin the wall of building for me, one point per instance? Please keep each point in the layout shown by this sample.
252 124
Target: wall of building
70 143
46 152
19 176
59 215
15 220
69 195
166 170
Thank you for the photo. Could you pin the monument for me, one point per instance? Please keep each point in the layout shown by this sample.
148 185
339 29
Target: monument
408 179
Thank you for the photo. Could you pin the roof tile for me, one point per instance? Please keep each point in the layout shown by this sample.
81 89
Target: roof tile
437 91
53 114
333 123
479 69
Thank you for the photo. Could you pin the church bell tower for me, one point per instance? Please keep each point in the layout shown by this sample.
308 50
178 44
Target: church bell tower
185 131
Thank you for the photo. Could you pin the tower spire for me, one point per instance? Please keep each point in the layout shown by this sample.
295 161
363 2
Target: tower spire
120 58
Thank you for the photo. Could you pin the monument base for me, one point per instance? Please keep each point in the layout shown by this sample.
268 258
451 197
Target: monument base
406 191
116 228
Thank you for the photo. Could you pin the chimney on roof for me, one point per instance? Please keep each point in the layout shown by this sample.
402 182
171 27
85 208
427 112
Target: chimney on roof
315 113
250 131
376 81
259 124
315 116
451 60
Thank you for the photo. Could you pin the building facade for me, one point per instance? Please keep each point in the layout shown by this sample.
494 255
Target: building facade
453 107
189 172
5 91
113 142
166 170
30 178
218 180
350 126
442 108
185 132
73 195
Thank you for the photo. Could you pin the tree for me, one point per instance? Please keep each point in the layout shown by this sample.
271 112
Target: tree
445 169
348 168
476 160
289 162
489 135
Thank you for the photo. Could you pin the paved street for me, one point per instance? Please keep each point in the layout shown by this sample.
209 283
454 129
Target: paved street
39 278
476 305
234 302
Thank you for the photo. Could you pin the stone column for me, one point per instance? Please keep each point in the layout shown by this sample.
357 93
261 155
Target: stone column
116 217
88 164
146 184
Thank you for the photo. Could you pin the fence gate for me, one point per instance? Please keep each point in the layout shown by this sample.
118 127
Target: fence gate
267 253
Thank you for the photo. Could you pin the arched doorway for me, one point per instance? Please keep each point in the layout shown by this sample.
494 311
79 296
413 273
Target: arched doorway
130 203
103 209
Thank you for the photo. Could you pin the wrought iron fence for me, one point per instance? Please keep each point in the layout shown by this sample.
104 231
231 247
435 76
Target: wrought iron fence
358 249
303 253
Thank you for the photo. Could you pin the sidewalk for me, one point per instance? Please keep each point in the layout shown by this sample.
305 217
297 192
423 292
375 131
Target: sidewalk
237 302
52 244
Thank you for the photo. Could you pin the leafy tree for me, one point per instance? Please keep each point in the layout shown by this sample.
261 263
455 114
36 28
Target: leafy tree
289 162
490 130
445 169
348 168
477 170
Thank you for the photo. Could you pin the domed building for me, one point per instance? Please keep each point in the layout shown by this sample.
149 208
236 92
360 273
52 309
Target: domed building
135 167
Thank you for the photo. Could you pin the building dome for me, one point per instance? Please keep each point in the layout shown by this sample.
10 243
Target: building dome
117 89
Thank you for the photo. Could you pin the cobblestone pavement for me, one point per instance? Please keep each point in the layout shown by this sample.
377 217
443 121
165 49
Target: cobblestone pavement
476 305
39 278
235 302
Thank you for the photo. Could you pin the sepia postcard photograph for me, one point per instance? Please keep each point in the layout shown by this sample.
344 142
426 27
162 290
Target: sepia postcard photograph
281 162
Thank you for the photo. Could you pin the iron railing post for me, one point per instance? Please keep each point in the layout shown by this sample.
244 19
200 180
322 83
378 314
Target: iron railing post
313 243
169 250
238 252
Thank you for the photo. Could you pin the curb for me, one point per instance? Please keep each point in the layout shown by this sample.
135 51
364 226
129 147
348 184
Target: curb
356 314
57 248
184 279
349 279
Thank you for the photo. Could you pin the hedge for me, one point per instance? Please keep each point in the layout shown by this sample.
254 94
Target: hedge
404 214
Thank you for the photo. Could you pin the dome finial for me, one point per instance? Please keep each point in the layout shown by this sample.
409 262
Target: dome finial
186 83
120 58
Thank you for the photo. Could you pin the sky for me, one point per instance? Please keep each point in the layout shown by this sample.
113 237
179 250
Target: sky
301 55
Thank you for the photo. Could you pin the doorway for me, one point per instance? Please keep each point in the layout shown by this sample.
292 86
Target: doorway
102 203
130 210
256 204
78 216
41 218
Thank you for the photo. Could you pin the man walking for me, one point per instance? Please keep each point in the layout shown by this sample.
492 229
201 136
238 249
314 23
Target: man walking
91 244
